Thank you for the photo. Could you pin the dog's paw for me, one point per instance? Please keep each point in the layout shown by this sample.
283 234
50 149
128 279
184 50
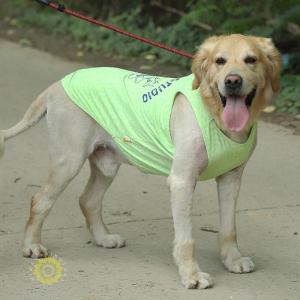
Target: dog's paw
35 251
111 241
240 265
198 280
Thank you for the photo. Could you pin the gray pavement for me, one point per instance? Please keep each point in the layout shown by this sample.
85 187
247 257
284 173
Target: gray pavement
137 207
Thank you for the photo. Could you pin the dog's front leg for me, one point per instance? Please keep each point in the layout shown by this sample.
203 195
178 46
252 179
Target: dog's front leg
228 190
190 158
182 188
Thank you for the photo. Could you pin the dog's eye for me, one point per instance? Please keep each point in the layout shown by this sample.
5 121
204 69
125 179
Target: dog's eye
220 61
250 60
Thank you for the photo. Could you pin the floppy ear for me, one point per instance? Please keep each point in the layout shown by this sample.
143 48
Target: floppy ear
201 58
274 61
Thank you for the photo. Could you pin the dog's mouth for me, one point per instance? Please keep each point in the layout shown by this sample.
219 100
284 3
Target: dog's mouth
248 100
235 114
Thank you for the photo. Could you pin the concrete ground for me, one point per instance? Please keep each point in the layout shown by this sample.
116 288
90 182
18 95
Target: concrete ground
137 207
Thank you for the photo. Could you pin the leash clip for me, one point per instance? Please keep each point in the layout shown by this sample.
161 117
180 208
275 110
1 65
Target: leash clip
60 7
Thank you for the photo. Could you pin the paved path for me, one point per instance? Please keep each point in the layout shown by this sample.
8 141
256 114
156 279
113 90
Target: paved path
137 206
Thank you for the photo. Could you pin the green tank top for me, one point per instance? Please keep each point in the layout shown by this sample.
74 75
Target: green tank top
135 110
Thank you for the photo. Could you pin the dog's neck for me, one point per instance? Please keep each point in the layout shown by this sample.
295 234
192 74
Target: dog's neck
239 137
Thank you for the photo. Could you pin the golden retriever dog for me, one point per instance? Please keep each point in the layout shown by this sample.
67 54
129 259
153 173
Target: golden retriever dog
234 76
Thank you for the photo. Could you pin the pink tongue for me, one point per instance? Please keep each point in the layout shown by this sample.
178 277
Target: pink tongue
235 114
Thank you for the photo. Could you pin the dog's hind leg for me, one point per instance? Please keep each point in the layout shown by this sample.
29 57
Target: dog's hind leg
71 141
103 170
59 177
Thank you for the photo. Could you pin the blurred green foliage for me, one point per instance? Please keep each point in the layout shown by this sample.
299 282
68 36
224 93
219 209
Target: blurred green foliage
180 24
289 99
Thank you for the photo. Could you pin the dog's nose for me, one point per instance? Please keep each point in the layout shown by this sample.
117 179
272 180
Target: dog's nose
233 82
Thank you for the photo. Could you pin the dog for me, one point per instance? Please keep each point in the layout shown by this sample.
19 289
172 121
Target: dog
233 77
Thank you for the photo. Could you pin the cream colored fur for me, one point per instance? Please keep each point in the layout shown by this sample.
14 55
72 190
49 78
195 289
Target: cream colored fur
72 143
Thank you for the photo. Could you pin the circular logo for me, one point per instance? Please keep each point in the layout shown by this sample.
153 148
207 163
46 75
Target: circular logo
48 271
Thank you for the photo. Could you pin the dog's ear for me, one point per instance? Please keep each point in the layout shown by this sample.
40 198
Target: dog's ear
201 59
273 58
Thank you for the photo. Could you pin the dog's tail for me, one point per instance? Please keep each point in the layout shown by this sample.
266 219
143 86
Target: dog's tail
32 116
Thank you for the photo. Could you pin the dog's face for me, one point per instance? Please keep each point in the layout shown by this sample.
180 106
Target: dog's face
237 75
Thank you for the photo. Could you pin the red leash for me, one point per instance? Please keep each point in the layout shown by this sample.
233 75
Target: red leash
63 9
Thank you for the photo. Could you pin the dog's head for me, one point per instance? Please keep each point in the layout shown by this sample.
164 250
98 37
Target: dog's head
237 75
